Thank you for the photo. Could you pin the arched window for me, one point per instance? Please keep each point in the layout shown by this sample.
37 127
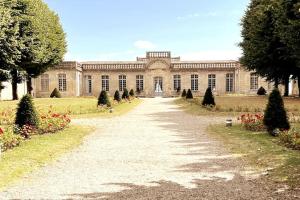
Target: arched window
45 82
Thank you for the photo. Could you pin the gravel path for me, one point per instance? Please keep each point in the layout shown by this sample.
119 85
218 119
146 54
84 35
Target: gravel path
155 151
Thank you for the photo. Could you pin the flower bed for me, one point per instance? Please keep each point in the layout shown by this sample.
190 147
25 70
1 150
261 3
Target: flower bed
50 122
291 138
252 122
8 139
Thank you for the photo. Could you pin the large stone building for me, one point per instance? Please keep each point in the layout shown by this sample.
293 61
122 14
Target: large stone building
157 74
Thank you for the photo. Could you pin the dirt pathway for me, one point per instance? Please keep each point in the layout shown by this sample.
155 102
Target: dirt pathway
155 151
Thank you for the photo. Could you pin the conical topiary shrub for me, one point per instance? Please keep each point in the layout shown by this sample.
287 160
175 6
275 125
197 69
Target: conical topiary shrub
117 96
125 94
275 114
55 94
183 93
131 93
261 91
26 113
103 98
208 99
189 94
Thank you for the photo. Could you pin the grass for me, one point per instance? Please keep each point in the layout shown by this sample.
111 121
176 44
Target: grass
77 107
262 151
37 152
235 105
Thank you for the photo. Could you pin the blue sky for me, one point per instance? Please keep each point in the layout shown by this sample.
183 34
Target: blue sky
124 29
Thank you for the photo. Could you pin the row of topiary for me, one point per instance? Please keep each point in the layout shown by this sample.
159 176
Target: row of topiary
208 99
103 99
28 122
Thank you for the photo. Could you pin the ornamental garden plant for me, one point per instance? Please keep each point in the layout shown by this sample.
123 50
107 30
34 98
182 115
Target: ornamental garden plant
208 99
131 93
117 96
183 94
103 99
189 94
275 116
55 94
125 94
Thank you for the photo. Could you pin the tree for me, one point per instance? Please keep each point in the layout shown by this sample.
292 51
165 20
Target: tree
131 93
42 37
117 96
288 29
261 91
55 94
103 99
125 94
183 94
10 45
189 94
208 99
275 114
4 76
26 113
263 50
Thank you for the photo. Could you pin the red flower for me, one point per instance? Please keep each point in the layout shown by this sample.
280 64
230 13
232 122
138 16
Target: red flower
1 131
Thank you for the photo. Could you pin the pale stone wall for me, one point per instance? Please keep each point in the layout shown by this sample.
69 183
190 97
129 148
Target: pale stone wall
6 93
73 78
155 64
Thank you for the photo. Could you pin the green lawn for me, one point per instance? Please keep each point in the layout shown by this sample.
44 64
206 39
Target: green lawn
76 107
235 105
261 151
37 152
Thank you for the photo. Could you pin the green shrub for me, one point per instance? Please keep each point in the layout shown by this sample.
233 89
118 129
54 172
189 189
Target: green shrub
131 93
103 98
117 96
261 91
125 94
183 94
26 113
189 94
275 114
208 99
55 94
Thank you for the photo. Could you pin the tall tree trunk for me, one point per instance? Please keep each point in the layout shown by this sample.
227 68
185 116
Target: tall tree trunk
14 83
29 85
286 86
298 81
276 84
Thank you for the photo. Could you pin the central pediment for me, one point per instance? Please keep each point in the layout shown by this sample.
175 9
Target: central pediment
158 64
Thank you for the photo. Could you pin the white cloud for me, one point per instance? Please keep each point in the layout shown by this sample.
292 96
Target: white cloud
212 55
143 44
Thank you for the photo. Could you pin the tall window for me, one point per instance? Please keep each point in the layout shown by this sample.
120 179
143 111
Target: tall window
177 82
253 81
122 82
212 81
88 86
229 82
62 82
194 82
105 83
139 83
45 82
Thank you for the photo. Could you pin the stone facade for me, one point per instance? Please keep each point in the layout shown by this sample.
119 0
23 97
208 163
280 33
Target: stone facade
157 74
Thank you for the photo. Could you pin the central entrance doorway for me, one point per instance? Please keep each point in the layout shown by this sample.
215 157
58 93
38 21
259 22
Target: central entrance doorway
158 86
